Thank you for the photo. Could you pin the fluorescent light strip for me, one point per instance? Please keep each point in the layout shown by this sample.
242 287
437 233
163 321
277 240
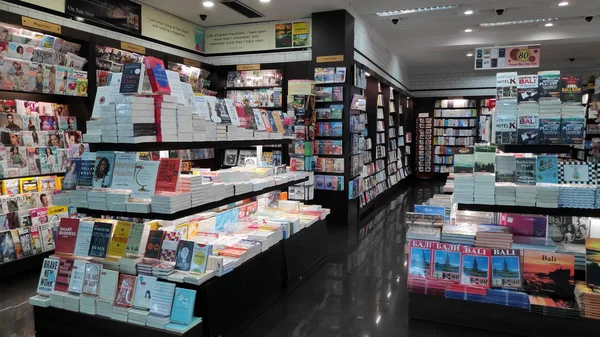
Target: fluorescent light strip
417 10
512 23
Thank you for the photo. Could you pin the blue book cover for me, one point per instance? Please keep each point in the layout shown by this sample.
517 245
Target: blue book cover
547 169
435 210
86 172
550 129
183 306
572 129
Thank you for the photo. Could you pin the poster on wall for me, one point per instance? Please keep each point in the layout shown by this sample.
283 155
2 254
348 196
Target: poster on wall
165 27
257 37
507 57
124 15
55 5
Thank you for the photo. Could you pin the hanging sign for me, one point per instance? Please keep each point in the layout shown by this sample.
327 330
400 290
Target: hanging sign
42 25
242 67
507 57
133 48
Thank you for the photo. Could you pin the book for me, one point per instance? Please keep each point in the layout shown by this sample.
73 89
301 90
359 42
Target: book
154 243
72 175
143 291
84 238
36 239
447 260
162 301
14 235
157 75
63 276
132 80
118 243
103 168
570 90
592 262
108 284
66 235
138 236
91 279
572 129
526 172
527 89
200 258
506 169
547 273
100 239
485 158
475 266
46 237
85 180
185 252
528 128
568 229
419 264
48 276
182 311
547 169
169 246
506 268
26 243
144 179
125 291
550 129
77 275
549 85
124 171
12 186
168 174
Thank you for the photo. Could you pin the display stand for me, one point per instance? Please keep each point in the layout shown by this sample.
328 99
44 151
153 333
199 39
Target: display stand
13 268
51 322
588 212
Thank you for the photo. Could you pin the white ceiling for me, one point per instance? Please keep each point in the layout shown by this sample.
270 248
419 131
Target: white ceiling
436 41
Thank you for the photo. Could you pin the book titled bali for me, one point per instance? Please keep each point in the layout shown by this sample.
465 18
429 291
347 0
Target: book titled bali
548 273
157 75
132 80
168 174
420 259
528 128
506 268
100 239
475 268
447 259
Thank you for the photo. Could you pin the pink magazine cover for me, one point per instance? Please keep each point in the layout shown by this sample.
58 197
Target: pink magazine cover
524 224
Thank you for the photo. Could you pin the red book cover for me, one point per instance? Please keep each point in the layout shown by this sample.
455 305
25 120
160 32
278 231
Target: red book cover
125 291
446 261
66 235
241 112
65 267
157 75
420 258
475 269
168 174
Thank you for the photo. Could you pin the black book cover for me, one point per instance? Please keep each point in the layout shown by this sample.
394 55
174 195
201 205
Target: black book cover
155 239
144 129
100 239
185 252
26 243
221 111
131 79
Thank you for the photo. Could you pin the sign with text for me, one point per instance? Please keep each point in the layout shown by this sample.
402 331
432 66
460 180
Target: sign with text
116 13
41 25
301 87
507 57
242 67
330 58
256 37
167 28
133 47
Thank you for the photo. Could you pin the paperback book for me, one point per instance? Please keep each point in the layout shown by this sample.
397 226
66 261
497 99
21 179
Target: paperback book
547 169
592 262
84 238
144 179
549 85
420 259
526 172
155 239
550 129
162 301
485 158
570 90
48 276
183 306
144 291
67 235
506 268
475 266
123 174
91 278
547 273
568 229
65 266
528 128
447 259
103 169
572 129
506 169
126 289
100 239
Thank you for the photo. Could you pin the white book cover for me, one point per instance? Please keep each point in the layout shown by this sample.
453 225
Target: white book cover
175 84
84 238
232 112
260 123
188 94
144 288
201 107
138 236
144 179
77 274
212 109
124 171
108 284
162 301
46 236
104 98
48 276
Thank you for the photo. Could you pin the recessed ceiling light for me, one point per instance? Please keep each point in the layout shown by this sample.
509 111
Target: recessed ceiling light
468 30
520 22
470 55
549 24
208 4
563 3
469 12
265 1
367 74
417 10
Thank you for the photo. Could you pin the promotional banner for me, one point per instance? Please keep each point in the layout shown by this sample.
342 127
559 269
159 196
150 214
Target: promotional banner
507 57
256 37
165 27
120 14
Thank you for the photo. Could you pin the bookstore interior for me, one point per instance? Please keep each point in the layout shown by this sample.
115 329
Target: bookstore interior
172 174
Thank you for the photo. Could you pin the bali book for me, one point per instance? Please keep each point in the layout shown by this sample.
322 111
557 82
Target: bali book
144 179
162 301
528 128
200 257
100 239
547 273
420 258
571 229
144 288
570 90
169 245
506 268
108 284
126 289
475 269
84 238
91 278
65 266
118 243
103 169
168 173
124 171
132 80
138 236
572 129
157 75
592 262
183 306
86 172
48 276
547 169
185 253
155 239
447 260
77 275
66 235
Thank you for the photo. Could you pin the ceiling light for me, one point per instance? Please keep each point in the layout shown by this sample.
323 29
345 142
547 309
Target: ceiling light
549 24
469 12
470 55
520 22
417 10
208 4
468 30
265 1
367 74
79 18
563 3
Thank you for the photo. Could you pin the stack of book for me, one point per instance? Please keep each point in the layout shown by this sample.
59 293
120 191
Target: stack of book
87 304
165 114
202 192
185 128
145 267
238 133
119 313
426 233
547 195
97 200
428 287
104 307
493 296
463 234
588 300
156 321
493 236
222 132
553 307
577 196
533 243
526 195
134 120
223 190
573 249
261 135
70 302
94 127
506 194
137 317
464 185
169 203
116 199
61 198
163 269
484 188
128 265
597 197
204 130
78 198
245 187
138 206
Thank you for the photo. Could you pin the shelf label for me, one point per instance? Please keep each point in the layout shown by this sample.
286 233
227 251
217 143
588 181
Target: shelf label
241 67
330 58
39 24
192 63
133 47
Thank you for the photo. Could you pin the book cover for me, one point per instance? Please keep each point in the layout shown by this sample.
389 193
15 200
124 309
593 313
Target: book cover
84 238
485 158
572 129
63 276
420 259
132 80
475 266
547 169
528 128
570 90
66 235
154 243
568 229
464 163
48 276
125 291
138 236
109 280
118 243
77 275
46 237
550 128
36 239
100 239
26 242
157 75
103 169
169 246
85 181
183 306
72 175
200 258
7 247
524 224
14 235
526 171
592 262
549 85
547 273
446 262
91 278
162 301
124 171
144 179
506 268
505 129
185 252
144 288
506 169
168 175
527 89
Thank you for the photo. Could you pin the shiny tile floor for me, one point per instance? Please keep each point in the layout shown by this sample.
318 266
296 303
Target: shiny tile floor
360 290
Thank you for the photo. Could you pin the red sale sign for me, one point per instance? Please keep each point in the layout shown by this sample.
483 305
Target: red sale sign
522 56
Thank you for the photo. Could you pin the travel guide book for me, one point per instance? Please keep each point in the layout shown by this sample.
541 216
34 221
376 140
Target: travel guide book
505 129
420 259
547 169
570 90
528 128
506 268
475 268
549 85
447 258
485 159
572 129
506 169
547 273
592 262
550 129
568 229
526 172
